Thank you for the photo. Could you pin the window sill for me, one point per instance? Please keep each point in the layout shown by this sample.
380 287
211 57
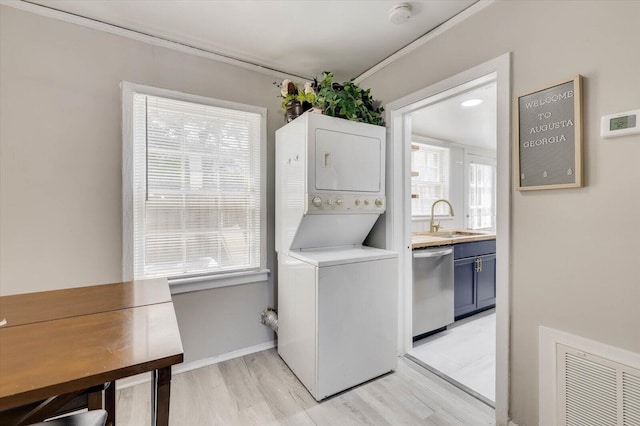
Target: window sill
207 282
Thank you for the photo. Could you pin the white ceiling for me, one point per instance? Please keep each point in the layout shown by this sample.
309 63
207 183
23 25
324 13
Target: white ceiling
302 38
448 121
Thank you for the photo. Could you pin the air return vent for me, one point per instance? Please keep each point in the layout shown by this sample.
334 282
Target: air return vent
595 391
630 400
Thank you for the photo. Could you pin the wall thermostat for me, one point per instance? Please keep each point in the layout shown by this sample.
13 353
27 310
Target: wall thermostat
621 124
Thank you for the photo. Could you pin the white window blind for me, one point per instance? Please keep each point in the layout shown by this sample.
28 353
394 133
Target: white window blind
432 181
482 190
196 188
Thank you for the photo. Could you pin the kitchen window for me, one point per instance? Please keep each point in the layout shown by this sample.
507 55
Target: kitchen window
482 194
193 188
429 180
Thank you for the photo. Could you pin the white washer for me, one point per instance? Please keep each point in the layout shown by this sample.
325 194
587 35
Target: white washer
338 316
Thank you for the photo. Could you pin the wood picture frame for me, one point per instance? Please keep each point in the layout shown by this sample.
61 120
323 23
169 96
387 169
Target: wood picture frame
548 137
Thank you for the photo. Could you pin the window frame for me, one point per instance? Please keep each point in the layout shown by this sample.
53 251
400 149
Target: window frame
191 282
487 161
446 183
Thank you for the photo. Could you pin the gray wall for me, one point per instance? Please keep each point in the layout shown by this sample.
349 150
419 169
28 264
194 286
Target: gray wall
61 165
575 251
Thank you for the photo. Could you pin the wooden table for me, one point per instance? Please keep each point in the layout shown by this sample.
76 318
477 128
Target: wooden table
64 341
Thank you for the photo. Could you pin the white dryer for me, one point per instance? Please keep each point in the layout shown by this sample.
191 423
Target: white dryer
337 299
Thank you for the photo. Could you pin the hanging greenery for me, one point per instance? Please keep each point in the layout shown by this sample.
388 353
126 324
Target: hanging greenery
347 100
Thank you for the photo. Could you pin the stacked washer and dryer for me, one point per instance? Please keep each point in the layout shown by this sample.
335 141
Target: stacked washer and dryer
337 299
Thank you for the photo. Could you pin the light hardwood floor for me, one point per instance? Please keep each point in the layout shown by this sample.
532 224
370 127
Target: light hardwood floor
465 353
259 389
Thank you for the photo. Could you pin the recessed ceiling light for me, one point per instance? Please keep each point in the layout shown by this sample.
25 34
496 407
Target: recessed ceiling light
472 102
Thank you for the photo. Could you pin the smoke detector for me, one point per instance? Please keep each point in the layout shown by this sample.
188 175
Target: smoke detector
400 13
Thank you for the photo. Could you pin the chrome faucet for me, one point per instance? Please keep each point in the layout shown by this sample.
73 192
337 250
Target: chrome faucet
433 227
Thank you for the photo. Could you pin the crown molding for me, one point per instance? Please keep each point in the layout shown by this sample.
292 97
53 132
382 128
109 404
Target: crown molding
145 38
184 48
470 11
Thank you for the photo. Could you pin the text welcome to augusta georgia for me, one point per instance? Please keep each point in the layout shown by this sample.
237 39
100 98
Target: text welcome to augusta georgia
544 116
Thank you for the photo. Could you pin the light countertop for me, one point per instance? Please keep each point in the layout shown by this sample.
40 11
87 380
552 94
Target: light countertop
423 239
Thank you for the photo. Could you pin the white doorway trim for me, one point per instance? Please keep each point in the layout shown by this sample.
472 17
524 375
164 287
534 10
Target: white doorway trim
398 218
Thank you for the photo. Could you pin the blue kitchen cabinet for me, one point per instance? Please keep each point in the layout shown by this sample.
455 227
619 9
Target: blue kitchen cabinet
464 289
486 282
474 277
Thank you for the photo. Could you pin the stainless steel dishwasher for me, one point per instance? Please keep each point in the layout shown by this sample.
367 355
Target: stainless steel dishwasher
433 302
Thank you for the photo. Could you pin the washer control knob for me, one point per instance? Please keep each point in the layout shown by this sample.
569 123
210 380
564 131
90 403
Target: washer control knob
357 202
316 201
330 202
378 202
339 201
366 202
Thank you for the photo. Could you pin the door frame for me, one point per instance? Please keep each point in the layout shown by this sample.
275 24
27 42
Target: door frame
397 223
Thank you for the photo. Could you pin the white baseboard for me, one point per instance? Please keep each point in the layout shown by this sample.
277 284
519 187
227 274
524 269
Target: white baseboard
193 365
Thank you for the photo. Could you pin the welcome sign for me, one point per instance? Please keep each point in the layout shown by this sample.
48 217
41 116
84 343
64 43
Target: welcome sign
549 137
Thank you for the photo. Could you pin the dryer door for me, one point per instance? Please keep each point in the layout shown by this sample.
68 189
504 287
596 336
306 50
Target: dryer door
347 162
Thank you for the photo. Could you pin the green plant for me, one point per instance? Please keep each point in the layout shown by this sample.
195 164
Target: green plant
347 100
290 91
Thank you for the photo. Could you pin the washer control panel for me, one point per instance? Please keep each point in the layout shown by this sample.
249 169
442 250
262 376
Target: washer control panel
348 203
